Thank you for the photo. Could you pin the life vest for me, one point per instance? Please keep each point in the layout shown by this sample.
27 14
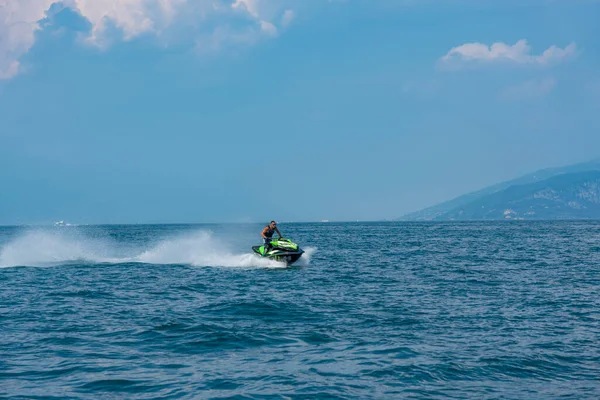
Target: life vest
269 232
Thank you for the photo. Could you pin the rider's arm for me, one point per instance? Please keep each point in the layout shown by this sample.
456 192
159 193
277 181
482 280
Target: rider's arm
279 233
263 233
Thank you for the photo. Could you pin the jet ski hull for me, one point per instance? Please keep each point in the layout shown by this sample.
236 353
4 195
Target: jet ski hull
284 256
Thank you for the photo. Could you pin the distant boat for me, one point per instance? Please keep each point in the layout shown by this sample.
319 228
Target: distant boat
61 223
324 220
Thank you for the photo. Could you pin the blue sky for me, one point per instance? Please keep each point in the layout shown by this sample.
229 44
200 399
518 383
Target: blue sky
132 111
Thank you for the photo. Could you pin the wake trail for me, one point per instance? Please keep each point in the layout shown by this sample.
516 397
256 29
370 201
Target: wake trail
55 247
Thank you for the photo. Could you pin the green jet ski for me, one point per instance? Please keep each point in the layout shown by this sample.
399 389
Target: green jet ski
282 250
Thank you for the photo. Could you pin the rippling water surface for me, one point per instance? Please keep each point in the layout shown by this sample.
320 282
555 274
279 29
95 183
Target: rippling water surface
381 310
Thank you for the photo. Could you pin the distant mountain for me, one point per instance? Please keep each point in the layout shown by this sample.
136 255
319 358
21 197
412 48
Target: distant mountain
553 193
566 196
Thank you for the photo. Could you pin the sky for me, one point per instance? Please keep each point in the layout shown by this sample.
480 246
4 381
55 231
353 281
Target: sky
159 111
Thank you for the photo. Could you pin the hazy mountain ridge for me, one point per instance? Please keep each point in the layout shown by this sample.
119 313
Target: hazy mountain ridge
560 184
567 196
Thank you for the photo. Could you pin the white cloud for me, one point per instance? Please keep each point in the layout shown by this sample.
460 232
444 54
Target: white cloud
134 17
223 37
251 6
288 17
533 88
260 11
10 70
19 21
268 28
17 31
519 53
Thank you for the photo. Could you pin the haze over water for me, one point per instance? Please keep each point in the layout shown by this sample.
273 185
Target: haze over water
373 310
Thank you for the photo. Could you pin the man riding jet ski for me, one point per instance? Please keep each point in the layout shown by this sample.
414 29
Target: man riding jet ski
268 231
283 250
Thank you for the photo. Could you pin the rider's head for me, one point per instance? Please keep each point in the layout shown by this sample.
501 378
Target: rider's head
273 224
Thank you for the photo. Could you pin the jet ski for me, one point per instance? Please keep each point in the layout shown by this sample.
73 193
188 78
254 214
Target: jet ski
282 250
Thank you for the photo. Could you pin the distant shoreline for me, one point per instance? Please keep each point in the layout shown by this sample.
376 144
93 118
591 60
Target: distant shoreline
332 222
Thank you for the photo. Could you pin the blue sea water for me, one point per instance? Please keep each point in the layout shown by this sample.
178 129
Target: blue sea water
373 310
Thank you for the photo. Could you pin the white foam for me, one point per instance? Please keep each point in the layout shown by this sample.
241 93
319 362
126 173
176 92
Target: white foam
305 259
44 248
200 249
58 246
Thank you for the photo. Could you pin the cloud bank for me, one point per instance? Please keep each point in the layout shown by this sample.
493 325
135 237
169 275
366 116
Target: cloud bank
519 53
20 19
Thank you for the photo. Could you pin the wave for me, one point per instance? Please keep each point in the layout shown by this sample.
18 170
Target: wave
56 247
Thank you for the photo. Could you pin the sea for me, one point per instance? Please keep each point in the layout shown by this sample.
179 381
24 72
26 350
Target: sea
382 310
